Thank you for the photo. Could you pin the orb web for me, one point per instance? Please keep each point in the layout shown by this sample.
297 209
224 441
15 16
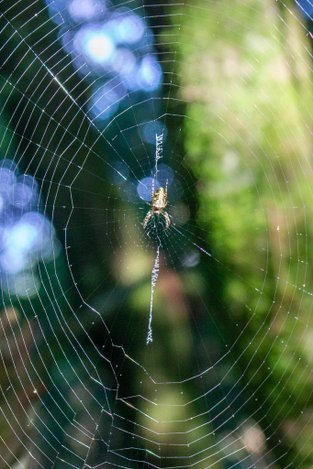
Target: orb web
88 87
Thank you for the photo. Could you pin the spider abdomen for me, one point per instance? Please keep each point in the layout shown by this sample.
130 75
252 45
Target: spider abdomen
159 199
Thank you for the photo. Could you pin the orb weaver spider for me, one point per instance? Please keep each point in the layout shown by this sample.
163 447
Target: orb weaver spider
158 205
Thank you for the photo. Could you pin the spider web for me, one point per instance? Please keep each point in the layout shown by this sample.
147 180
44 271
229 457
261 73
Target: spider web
86 88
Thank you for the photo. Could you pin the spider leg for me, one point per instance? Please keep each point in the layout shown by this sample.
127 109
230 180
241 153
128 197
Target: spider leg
168 220
147 219
152 189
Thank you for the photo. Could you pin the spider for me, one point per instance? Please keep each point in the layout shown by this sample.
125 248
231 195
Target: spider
158 205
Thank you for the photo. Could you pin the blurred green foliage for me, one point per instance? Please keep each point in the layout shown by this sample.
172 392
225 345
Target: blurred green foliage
245 78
